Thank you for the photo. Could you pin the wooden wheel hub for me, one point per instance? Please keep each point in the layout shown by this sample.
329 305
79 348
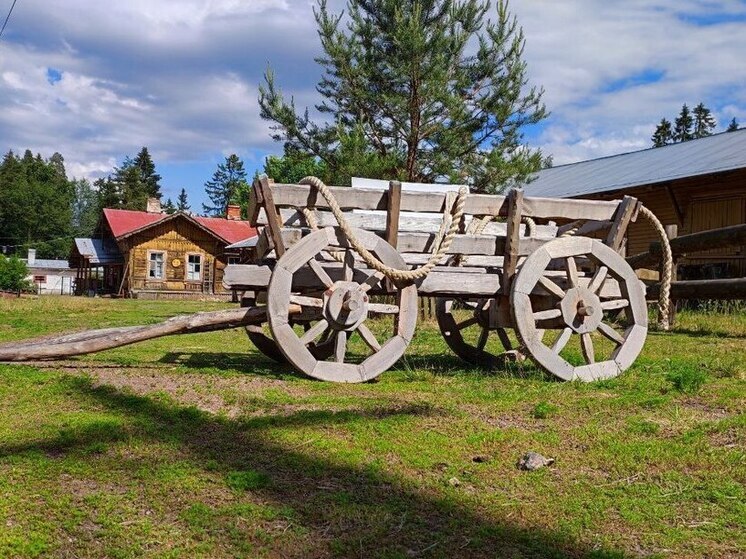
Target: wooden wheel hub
345 306
581 310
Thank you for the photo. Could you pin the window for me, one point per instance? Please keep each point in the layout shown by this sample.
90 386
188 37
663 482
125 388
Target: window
234 260
40 279
155 269
194 267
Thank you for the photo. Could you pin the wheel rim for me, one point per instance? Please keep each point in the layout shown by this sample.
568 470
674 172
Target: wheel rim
578 307
343 305
479 322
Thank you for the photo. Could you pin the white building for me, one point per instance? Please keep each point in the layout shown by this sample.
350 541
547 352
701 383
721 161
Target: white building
50 277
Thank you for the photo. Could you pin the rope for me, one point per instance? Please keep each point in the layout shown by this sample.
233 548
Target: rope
448 229
664 300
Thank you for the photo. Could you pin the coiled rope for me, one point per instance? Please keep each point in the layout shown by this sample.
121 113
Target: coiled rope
453 211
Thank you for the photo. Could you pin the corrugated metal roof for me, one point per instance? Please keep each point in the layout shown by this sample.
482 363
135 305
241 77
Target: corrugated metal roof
40 263
99 251
721 152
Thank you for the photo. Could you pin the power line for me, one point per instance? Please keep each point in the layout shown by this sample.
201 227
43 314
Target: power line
13 5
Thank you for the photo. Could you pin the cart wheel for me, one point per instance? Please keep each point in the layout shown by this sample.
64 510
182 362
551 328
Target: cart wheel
459 315
321 349
579 307
344 307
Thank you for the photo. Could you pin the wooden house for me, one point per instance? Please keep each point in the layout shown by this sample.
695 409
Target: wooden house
155 255
696 185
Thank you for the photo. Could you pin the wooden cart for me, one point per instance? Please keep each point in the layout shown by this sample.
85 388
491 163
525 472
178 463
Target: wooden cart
533 269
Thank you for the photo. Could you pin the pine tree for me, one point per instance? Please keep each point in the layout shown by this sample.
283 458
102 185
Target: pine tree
226 186
682 131
292 166
182 204
148 176
733 126
419 90
85 208
704 122
168 207
663 134
108 193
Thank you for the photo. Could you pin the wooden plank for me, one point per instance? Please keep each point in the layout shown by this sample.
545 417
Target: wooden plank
408 221
295 196
254 205
441 281
722 289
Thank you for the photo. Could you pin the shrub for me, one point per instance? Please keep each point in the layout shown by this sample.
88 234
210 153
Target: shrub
13 272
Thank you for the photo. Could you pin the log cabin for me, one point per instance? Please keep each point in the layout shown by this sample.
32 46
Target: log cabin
151 254
696 185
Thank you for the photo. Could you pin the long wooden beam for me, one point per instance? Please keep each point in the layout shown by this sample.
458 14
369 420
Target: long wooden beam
723 289
724 237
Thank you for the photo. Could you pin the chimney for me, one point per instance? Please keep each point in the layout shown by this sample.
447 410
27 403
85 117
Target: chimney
31 260
154 206
233 212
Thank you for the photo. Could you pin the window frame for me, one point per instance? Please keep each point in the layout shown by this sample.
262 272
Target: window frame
164 255
201 267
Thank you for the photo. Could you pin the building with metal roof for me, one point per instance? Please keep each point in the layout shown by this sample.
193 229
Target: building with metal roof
696 185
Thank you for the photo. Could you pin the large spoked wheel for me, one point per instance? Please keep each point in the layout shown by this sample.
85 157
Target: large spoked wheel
466 326
343 304
321 348
581 310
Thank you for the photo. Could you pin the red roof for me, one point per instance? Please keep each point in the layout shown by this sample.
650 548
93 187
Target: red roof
123 222
232 230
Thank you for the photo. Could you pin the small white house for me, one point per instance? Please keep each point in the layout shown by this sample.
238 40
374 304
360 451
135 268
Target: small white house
50 277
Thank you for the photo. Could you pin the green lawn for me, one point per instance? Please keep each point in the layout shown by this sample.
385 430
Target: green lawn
197 446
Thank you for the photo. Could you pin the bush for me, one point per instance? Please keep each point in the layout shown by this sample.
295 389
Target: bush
13 272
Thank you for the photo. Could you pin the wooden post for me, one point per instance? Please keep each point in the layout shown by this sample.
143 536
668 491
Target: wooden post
392 215
510 263
671 233
273 219
626 213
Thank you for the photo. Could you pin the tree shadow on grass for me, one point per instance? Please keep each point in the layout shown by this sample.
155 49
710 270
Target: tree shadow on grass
379 515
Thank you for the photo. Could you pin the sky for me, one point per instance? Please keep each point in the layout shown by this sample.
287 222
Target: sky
96 80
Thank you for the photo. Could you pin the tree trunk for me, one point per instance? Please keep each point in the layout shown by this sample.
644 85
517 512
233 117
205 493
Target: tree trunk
91 341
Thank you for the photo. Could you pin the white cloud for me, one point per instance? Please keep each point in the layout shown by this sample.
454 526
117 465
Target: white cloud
181 76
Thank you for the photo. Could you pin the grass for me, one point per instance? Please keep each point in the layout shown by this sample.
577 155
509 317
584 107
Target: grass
197 446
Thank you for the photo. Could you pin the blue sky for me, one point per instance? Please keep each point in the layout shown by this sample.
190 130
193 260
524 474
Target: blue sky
98 80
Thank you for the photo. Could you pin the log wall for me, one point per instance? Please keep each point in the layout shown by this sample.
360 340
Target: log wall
176 239
694 204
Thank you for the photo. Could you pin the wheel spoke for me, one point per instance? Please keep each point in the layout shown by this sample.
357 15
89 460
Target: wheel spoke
371 282
383 308
307 301
340 346
468 322
615 304
552 287
504 339
483 338
610 333
348 264
572 271
368 337
598 279
314 332
315 265
586 344
562 340
548 314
